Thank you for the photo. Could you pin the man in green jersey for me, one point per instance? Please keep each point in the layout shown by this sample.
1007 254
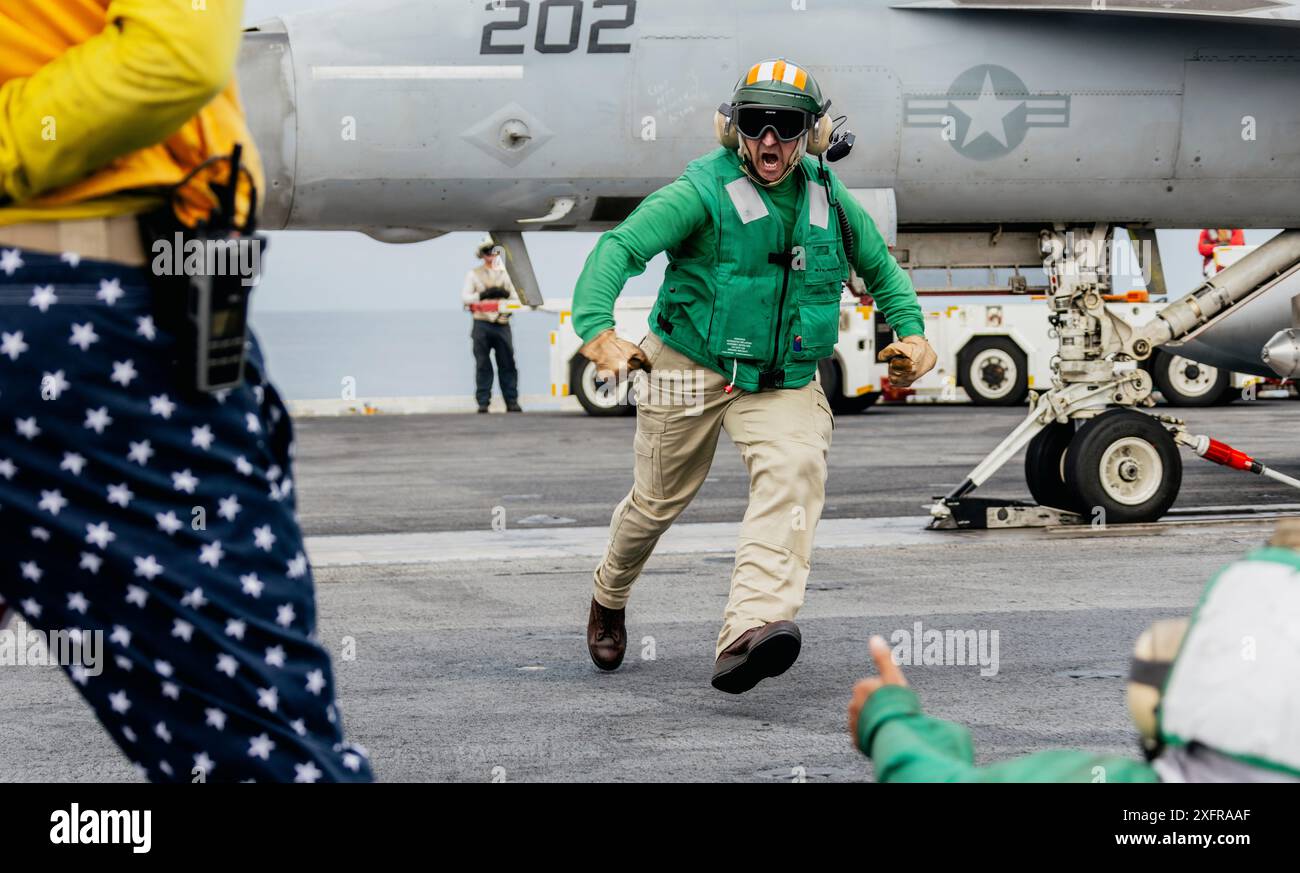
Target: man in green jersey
760 238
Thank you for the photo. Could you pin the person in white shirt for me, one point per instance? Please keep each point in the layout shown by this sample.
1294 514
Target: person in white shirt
487 292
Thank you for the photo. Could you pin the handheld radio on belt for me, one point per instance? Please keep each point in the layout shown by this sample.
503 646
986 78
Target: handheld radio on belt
205 304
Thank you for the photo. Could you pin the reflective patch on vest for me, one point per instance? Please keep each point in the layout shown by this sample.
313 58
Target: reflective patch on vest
819 208
744 196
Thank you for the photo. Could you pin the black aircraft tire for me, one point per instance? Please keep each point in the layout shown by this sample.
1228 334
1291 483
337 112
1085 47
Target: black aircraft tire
1126 465
1045 467
994 372
829 374
1183 382
596 399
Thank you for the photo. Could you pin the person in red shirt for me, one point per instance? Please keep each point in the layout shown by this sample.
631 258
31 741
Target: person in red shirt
1218 237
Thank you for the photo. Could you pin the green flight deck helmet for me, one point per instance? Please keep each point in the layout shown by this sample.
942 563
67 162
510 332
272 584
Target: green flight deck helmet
780 95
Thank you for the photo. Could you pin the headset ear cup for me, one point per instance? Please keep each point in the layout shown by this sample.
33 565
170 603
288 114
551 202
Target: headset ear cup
819 138
725 131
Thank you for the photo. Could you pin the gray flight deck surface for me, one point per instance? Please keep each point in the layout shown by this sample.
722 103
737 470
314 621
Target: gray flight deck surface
470 657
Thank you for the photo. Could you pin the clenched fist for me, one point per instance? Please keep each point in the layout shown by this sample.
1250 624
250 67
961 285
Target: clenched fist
613 356
909 358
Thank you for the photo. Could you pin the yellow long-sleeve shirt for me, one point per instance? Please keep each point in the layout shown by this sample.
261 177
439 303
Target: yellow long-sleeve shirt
102 102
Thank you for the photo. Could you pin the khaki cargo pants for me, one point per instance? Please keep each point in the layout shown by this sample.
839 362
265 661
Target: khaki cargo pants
783 436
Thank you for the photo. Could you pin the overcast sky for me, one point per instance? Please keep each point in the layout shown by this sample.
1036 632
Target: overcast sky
350 271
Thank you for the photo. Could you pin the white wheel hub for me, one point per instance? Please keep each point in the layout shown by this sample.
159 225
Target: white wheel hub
606 395
1131 471
993 373
1191 378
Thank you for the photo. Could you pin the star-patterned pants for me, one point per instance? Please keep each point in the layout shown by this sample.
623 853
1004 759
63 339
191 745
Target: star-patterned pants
164 519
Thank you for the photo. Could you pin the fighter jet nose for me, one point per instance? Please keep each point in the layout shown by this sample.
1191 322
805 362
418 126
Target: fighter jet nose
1282 353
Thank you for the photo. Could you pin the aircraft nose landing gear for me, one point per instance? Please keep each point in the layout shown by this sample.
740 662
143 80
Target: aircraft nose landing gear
1120 465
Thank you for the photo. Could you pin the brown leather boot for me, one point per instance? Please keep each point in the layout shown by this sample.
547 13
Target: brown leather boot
606 636
758 654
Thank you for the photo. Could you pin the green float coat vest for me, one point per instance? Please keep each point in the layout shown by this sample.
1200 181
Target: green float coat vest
755 307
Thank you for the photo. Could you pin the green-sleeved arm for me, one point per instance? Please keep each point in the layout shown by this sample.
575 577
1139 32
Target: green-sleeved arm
907 745
662 221
888 283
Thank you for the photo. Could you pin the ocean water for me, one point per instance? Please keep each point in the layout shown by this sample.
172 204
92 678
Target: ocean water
392 353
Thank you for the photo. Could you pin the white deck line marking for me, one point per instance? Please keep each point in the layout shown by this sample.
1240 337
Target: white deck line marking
570 542
525 544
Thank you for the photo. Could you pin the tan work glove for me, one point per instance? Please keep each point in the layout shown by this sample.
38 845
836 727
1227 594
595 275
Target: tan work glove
613 356
909 358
